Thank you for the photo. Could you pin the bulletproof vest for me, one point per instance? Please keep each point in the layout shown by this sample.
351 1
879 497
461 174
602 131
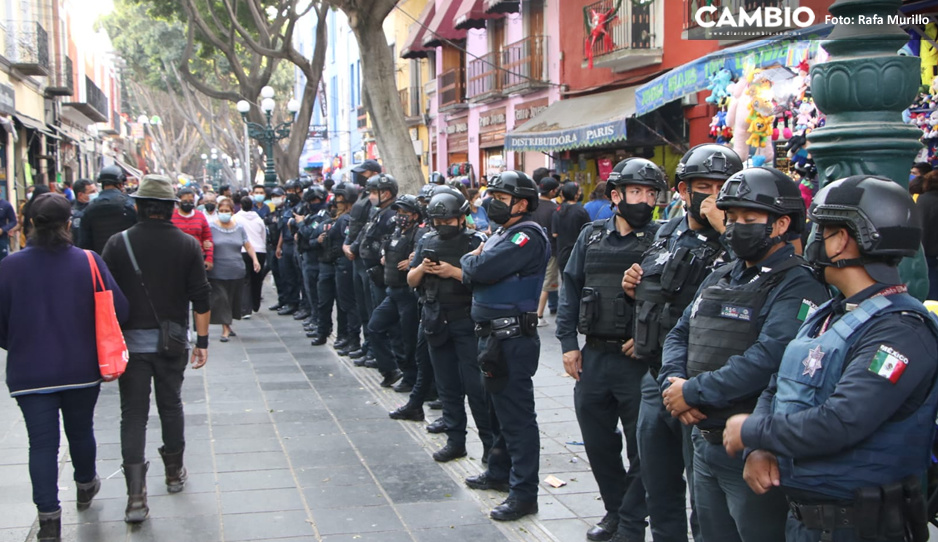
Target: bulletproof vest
399 247
359 217
107 217
273 226
605 310
286 214
448 292
670 278
724 322
330 248
517 293
310 229
807 377
372 236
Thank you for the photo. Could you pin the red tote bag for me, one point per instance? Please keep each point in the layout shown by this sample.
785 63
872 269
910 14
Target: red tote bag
112 350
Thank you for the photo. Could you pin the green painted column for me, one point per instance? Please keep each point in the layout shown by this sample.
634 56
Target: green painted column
863 89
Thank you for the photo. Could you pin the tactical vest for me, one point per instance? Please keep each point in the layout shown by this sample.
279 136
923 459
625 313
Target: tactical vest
399 247
669 283
372 238
516 293
331 250
107 217
808 375
725 322
605 311
273 227
447 292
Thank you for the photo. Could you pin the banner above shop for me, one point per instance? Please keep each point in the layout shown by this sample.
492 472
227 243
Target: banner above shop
786 49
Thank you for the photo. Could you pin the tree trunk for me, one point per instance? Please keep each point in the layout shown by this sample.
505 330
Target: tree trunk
387 113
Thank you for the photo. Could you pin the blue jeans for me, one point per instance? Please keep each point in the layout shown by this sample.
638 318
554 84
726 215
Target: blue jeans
664 444
795 531
728 510
457 374
41 413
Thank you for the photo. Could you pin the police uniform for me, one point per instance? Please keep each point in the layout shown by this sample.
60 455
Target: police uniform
111 212
347 317
506 281
425 383
272 221
453 347
290 276
672 270
609 390
312 226
358 217
308 252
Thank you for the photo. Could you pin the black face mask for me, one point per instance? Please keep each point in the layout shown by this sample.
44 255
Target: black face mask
751 242
210 207
293 199
638 215
186 206
403 221
314 207
447 232
500 212
815 253
696 198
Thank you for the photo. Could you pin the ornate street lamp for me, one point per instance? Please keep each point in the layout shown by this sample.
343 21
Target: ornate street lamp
269 134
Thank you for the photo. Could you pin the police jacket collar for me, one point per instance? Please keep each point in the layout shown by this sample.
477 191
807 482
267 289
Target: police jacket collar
841 305
742 273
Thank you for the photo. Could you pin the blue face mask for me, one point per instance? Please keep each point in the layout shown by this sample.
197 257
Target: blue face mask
224 217
259 198
912 177
93 196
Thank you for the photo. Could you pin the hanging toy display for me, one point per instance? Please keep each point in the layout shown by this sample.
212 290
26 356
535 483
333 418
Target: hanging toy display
719 129
719 87
597 29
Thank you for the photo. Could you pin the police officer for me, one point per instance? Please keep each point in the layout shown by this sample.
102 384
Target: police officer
290 276
348 336
359 215
608 387
506 275
308 267
111 212
845 428
272 221
397 312
729 341
685 251
309 224
447 323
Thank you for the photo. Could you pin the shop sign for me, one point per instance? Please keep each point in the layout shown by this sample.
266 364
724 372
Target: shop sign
457 128
492 120
559 140
318 131
527 111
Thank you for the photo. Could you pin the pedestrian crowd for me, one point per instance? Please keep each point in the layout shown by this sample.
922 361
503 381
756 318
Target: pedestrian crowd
757 354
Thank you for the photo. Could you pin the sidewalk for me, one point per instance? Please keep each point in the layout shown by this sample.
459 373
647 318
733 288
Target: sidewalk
287 441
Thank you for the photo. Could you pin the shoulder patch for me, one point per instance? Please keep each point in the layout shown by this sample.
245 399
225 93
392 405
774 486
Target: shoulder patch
520 239
807 309
888 363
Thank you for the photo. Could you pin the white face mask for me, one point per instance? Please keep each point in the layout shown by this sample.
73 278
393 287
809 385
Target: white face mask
477 202
29 196
278 201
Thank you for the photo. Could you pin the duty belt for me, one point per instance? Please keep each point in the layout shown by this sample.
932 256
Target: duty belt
508 327
612 346
823 517
713 436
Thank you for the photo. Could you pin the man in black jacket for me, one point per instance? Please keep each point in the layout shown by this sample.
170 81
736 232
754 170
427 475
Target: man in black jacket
171 275
112 212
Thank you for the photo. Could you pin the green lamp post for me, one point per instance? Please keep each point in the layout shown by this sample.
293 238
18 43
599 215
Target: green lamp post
863 89
268 134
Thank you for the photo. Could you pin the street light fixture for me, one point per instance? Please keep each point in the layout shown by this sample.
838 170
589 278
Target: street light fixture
268 134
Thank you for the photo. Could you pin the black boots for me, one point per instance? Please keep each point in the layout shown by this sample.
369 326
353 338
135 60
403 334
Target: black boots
176 474
449 453
136 476
409 412
50 526
86 493
513 509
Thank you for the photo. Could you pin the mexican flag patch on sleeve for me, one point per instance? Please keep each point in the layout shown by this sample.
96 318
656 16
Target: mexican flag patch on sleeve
807 309
888 363
520 239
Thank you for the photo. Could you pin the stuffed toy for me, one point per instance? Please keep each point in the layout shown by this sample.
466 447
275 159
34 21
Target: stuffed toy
718 86
760 131
736 117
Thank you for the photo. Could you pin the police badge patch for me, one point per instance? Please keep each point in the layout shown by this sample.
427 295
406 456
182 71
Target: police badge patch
812 363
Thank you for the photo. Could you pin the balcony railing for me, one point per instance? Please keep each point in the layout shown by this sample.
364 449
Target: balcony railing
404 94
690 21
451 88
95 104
415 103
62 81
27 47
631 28
483 78
362 117
524 64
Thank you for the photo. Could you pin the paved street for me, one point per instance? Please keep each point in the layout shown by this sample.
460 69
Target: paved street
289 442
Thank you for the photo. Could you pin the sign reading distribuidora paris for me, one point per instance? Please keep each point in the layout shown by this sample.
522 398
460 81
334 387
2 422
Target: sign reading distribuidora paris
716 22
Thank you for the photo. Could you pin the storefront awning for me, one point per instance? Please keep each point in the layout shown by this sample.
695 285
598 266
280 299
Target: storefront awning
502 6
128 169
414 46
34 124
471 14
786 49
590 121
442 26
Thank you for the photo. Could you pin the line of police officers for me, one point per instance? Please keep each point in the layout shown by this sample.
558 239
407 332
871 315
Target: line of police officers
715 345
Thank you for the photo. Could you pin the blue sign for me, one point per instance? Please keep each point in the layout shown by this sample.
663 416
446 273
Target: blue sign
572 138
695 76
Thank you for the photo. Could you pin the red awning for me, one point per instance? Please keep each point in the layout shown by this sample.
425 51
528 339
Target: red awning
414 47
442 28
502 6
471 14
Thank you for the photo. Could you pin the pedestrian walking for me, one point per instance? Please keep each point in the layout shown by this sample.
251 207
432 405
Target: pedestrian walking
48 376
254 226
227 274
160 270
548 188
192 221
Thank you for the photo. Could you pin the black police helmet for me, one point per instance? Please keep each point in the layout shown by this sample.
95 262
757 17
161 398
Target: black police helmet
426 191
447 203
516 184
292 184
348 191
764 189
407 203
437 178
879 214
382 181
306 182
314 192
636 171
111 175
708 161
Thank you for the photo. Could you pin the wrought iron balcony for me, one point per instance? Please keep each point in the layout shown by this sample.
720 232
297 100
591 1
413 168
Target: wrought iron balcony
452 91
27 47
410 100
484 82
524 65
95 104
633 35
362 117
62 80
